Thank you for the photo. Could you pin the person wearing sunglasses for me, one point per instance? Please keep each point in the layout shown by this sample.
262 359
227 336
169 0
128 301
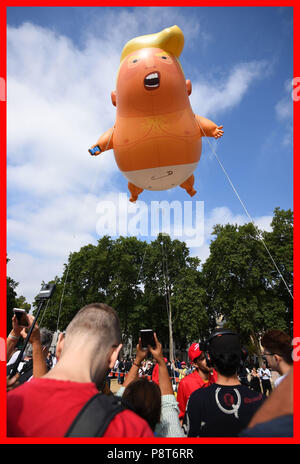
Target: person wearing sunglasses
277 351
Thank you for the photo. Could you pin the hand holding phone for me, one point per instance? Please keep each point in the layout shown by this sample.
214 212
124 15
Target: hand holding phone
147 338
95 150
21 316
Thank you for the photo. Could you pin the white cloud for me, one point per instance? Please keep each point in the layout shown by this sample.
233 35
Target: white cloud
30 271
217 96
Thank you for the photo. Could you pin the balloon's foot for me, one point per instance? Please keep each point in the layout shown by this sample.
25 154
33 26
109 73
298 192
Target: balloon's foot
135 191
188 186
192 192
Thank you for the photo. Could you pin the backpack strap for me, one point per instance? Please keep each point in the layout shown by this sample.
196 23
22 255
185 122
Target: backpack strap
95 416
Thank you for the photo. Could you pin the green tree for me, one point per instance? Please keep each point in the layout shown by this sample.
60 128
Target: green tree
12 300
124 291
172 291
159 285
280 244
142 281
189 298
11 296
241 281
22 303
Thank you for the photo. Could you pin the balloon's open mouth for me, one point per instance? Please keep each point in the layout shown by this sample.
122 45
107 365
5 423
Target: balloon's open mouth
151 81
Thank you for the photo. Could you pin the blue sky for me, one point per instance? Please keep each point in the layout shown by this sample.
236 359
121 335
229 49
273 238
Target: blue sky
62 65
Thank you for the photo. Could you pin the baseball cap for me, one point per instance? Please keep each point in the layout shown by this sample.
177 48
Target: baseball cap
194 351
225 343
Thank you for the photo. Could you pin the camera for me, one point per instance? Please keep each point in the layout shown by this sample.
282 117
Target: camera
46 291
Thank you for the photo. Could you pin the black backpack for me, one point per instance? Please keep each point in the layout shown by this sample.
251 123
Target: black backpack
95 416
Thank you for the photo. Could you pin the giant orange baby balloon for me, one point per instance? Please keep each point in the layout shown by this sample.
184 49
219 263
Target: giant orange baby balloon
156 138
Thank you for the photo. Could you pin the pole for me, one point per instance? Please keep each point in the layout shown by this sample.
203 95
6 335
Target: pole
169 308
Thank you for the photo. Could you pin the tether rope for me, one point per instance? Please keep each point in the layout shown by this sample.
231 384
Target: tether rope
245 209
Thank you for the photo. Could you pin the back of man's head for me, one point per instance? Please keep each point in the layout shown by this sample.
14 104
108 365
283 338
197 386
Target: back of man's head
97 322
92 340
280 343
225 352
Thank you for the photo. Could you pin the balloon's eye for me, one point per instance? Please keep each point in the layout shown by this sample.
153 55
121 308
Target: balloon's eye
133 61
164 57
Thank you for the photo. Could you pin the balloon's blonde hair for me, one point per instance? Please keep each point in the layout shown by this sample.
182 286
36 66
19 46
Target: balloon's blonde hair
170 39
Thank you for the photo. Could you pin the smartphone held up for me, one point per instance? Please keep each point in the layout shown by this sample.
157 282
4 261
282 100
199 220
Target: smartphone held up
147 338
21 315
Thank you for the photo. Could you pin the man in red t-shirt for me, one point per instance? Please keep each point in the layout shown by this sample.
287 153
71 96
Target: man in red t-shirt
201 377
47 406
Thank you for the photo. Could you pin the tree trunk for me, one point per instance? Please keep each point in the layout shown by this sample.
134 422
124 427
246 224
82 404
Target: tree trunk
257 345
171 343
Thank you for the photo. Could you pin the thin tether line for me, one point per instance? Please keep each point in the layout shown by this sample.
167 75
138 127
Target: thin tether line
245 209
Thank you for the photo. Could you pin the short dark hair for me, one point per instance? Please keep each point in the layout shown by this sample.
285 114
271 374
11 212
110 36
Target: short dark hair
278 342
144 397
226 364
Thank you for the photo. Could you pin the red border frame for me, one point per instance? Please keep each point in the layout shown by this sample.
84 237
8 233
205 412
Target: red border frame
157 441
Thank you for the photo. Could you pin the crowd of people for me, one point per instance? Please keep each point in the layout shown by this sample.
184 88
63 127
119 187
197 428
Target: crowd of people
214 394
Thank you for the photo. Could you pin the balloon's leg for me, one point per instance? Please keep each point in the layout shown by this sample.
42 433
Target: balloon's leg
188 185
135 191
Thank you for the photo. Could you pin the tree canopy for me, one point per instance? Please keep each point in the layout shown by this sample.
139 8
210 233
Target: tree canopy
145 281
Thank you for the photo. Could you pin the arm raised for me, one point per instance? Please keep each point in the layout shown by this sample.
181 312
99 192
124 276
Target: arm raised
104 143
209 128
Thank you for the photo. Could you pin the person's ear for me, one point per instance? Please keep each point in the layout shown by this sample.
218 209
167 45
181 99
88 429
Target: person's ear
114 355
59 345
277 358
113 96
188 86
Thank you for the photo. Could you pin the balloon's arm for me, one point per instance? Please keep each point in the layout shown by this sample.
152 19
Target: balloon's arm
209 128
104 143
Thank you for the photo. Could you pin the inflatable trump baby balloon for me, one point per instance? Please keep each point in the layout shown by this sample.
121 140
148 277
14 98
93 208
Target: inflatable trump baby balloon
156 138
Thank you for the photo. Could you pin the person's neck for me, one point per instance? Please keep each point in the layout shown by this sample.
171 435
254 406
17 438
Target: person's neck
228 381
284 368
66 369
204 375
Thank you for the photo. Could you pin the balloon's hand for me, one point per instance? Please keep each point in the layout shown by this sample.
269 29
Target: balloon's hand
95 150
218 132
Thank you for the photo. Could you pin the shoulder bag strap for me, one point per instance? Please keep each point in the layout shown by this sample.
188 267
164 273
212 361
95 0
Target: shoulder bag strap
95 416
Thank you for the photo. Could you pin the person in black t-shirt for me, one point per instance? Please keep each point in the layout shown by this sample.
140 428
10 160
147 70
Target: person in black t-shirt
226 407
